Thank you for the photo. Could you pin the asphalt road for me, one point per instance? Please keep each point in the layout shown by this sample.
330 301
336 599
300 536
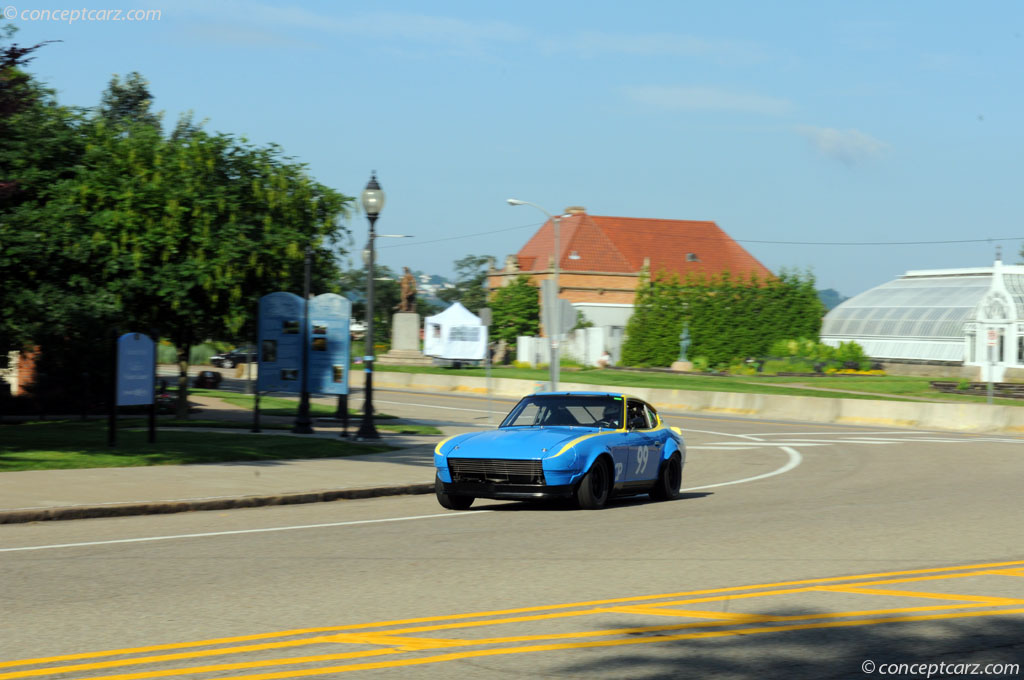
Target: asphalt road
796 551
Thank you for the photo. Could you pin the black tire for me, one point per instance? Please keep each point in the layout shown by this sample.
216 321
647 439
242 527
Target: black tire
595 487
451 501
228 364
670 478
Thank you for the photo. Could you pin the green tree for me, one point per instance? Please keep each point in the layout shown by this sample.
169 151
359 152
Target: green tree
515 310
129 102
40 146
112 223
187 233
652 333
728 318
470 283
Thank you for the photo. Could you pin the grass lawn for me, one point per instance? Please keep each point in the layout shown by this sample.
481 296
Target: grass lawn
283 406
277 406
51 445
895 388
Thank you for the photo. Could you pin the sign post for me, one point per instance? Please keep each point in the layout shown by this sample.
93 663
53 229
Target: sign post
485 319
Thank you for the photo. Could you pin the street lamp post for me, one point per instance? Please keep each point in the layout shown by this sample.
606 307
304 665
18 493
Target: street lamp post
373 201
555 314
303 423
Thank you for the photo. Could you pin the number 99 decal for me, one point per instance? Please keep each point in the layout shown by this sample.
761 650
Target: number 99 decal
642 456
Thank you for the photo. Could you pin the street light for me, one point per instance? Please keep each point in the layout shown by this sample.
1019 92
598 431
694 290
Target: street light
373 201
553 314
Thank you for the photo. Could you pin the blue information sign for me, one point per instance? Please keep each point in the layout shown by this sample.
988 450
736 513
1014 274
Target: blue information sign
329 317
280 347
136 356
281 339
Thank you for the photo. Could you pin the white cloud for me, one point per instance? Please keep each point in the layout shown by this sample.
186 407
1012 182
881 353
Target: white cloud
405 27
591 43
849 146
707 99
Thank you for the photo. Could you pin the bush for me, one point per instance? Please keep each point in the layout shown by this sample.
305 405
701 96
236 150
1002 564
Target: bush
701 364
788 365
742 368
851 351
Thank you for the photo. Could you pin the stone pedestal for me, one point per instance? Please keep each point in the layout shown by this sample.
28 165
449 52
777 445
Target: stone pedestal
682 365
405 342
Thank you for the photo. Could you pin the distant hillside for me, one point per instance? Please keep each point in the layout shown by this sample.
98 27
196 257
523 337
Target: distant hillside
831 298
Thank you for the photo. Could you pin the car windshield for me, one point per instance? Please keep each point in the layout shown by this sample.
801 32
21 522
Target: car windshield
566 411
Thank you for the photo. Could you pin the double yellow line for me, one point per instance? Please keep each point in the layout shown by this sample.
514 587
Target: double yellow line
407 642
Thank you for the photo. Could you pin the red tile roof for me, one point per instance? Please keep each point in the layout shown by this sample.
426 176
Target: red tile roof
620 244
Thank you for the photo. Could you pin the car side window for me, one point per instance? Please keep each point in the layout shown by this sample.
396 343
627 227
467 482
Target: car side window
652 415
636 416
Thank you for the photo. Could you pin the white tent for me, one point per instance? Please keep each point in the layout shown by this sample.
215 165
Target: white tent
455 333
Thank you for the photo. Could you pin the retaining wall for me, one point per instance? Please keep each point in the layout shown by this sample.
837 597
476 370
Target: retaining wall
925 415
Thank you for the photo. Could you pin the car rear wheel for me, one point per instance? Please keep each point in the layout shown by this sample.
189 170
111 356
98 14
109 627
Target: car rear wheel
451 501
669 480
595 487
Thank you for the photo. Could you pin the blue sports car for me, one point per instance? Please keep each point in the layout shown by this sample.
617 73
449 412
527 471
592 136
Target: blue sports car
586 446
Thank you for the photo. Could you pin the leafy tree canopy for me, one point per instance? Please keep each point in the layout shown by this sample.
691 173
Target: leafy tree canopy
515 310
470 283
107 222
727 318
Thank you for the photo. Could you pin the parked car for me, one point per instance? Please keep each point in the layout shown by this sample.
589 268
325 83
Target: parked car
586 446
239 355
208 379
357 329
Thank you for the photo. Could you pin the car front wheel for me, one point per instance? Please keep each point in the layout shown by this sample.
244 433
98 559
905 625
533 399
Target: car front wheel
229 363
669 480
451 501
595 487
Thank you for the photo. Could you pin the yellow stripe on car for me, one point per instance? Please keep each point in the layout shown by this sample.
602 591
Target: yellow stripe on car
576 441
437 449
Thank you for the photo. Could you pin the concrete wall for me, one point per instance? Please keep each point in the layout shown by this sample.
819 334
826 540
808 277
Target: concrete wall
924 415
936 371
584 345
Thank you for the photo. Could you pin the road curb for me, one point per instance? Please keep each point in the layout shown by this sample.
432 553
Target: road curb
168 507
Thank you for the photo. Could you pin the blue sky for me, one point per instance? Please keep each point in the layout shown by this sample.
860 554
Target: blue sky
784 121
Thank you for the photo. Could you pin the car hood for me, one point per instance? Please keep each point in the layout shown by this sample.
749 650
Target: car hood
515 443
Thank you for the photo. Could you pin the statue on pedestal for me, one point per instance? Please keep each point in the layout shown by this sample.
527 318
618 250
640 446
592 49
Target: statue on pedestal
682 363
408 301
684 343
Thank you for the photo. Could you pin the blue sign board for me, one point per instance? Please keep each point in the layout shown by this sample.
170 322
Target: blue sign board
136 364
280 346
329 317
281 338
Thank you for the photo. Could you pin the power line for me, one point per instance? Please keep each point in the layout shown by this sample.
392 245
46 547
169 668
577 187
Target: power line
455 238
737 240
879 243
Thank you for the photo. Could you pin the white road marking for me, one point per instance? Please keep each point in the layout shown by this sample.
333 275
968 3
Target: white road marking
723 434
794 459
244 531
445 408
743 446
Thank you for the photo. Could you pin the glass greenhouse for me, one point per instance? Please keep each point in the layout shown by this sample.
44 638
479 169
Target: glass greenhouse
968 316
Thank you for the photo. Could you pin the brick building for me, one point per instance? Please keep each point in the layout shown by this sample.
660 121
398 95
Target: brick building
600 259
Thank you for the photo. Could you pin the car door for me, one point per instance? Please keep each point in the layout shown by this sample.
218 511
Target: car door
659 437
641 462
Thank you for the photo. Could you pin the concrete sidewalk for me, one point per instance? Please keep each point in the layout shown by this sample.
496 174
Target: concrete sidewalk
37 495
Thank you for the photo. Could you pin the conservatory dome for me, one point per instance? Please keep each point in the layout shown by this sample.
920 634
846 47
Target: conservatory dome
943 315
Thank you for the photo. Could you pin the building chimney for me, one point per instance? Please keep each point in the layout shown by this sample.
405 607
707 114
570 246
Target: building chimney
575 210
